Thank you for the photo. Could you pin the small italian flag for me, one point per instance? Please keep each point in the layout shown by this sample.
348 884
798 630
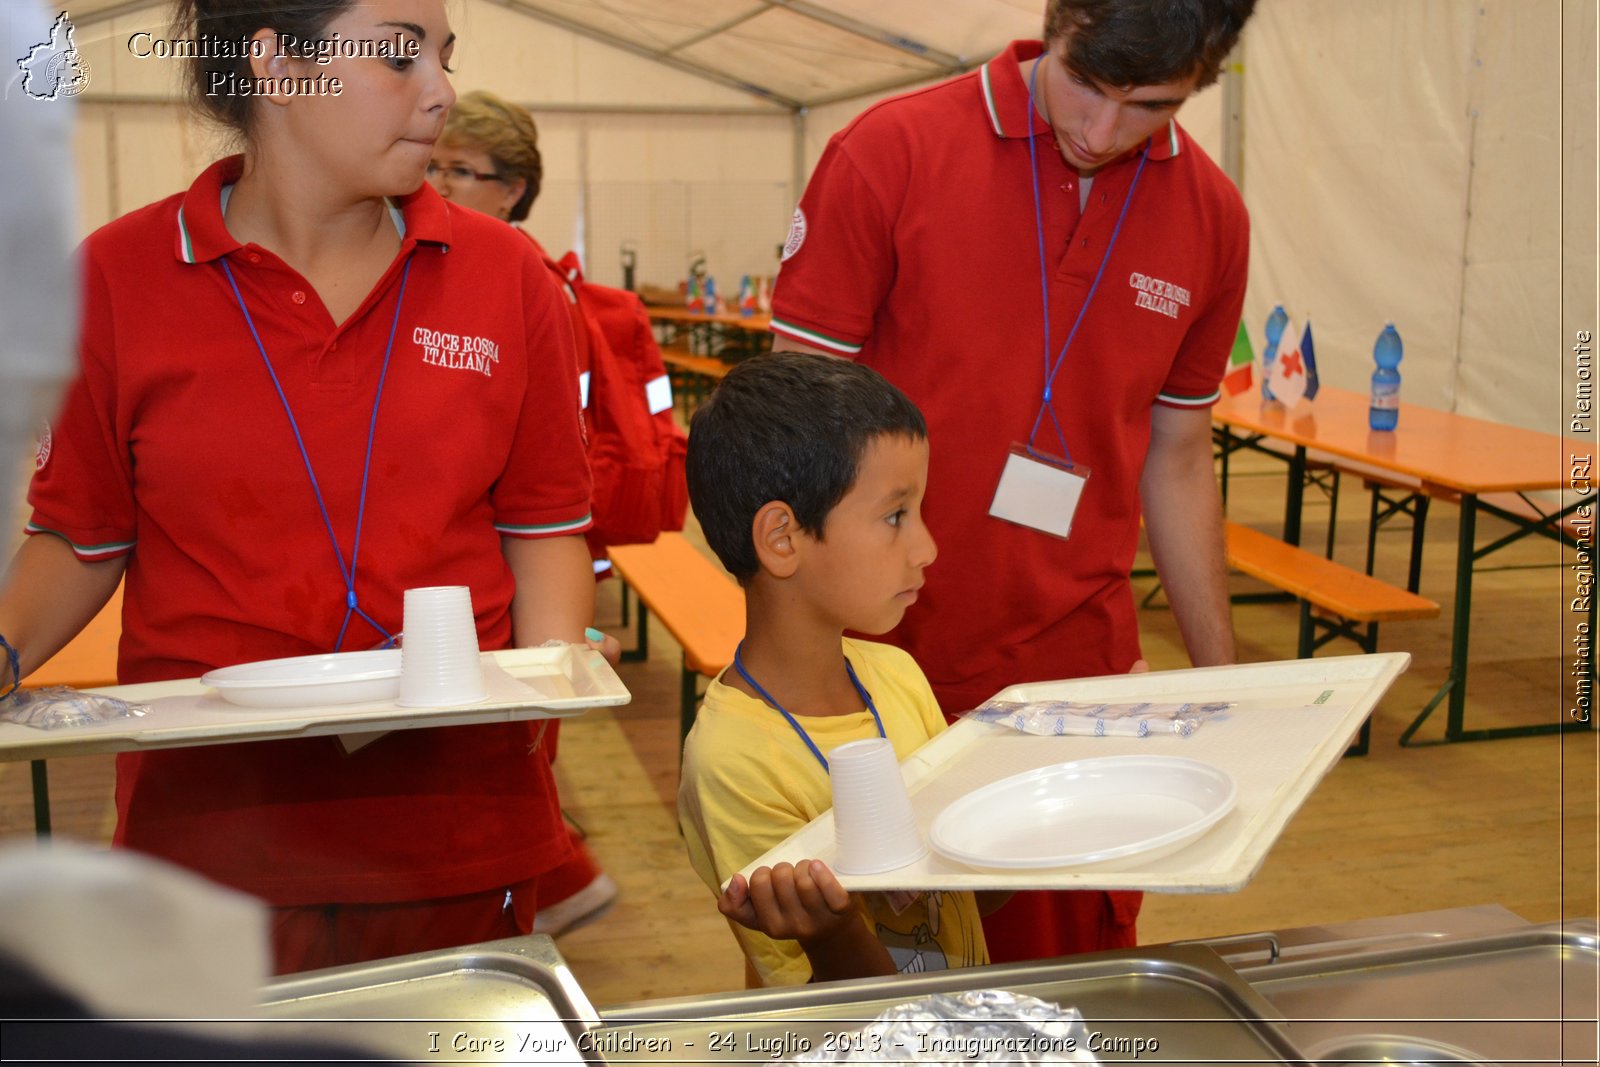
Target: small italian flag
1241 364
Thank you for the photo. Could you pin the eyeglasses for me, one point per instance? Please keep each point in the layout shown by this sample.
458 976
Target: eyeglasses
459 174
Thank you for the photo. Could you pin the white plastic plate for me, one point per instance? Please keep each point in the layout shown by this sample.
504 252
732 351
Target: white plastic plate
1085 811
310 681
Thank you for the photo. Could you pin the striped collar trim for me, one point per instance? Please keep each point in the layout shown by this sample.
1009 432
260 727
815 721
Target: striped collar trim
1005 93
185 242
202 236
988 99
1168 146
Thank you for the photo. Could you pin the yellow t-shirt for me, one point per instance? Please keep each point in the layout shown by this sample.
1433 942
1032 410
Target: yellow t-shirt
749 782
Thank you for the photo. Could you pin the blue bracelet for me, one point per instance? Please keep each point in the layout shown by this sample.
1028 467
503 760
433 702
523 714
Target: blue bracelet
16 667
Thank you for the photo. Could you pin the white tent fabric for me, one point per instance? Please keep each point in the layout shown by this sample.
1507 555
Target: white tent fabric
1403 162
794 53
1430 163
798 52
1357 161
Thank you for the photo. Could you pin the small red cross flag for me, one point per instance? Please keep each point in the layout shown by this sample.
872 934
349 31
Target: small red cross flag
1294 372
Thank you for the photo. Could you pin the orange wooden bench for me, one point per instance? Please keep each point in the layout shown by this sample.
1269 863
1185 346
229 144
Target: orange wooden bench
87 662
1346 598
677 358
699 605
693 377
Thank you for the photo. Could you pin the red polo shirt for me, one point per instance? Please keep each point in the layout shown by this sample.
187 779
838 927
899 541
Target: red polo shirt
915 250
173 448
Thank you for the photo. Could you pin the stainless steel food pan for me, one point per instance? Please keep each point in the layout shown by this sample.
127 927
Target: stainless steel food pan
498 1002
1173 1004
1521 996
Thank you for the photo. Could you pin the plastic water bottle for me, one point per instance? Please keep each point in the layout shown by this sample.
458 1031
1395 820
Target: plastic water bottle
1386 353
713 304
1276 322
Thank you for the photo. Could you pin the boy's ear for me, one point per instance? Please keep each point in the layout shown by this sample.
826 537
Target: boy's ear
774 532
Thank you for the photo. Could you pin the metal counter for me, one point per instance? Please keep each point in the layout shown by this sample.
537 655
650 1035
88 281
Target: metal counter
1474 985
1171 1004
1517 996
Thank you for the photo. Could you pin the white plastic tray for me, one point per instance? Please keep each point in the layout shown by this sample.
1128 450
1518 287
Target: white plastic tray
523 683
1293 721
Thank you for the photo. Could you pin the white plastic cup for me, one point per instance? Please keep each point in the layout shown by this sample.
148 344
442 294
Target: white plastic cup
874 827
439 665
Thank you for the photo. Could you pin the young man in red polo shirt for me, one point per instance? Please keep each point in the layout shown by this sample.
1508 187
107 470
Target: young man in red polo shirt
1043 260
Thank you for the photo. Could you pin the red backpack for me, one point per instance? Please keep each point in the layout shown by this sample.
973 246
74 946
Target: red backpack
636 451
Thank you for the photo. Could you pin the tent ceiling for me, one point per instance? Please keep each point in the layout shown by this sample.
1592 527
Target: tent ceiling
800 53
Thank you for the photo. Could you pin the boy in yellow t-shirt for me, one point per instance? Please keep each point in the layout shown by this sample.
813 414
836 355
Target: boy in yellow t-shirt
807 475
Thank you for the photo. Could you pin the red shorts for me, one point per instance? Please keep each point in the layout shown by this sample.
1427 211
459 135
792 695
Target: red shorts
313 936
1038 925
581 867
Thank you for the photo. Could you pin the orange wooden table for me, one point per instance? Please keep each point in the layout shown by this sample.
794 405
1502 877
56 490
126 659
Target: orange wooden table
1447 455
727 335
699 348
757 323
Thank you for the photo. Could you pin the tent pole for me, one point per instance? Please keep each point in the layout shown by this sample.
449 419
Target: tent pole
800 171
1233 114
581 238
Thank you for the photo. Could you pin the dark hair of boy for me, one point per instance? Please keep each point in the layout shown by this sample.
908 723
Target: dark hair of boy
787 427
1125 43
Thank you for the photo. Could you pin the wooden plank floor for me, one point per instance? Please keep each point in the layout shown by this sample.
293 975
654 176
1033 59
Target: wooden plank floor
1508 822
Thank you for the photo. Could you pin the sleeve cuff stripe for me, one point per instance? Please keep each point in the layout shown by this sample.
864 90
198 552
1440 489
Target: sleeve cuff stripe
548 529
105 551
1189 401
811 337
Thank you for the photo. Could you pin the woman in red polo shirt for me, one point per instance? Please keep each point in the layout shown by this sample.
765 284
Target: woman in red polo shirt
308 384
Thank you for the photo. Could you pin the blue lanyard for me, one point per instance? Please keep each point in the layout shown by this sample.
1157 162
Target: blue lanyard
348 573
1051 370
738 665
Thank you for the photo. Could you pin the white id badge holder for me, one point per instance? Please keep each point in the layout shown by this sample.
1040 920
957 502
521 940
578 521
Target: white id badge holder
1039 491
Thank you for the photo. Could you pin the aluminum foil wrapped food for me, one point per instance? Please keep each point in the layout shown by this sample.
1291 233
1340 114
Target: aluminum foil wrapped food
1091 718
58 706
979 1026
